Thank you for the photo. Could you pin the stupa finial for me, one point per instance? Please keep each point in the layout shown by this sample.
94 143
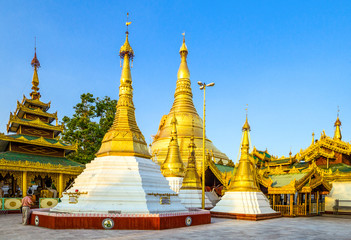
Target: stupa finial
35 95
337 125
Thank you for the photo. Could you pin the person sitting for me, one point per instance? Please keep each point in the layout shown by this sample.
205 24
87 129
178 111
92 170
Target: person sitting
27 202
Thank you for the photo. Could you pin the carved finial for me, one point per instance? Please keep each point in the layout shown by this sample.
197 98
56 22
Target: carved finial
127 23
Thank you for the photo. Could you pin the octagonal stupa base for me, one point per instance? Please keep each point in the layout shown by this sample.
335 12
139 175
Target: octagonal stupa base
251 217
47 219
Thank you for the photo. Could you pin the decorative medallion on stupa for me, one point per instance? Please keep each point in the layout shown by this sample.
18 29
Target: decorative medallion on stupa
32 153
189 123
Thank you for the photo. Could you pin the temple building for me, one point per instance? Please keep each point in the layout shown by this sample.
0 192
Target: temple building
189 124
316 176
32 155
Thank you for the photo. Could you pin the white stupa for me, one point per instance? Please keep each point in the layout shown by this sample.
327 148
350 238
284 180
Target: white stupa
190 193
122 178
244 199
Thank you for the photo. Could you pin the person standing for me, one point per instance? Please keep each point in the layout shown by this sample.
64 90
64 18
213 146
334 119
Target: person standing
26 203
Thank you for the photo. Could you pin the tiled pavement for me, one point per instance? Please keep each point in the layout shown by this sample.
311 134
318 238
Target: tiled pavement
321 227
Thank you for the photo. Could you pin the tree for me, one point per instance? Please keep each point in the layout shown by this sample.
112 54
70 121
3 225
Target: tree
92 119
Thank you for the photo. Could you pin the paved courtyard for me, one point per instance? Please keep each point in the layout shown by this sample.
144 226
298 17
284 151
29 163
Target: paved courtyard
321 227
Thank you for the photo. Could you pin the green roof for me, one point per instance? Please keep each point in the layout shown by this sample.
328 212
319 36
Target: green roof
300 165
224 168
14 156
267 155
284 179
29 120
280 161
342 167
52 141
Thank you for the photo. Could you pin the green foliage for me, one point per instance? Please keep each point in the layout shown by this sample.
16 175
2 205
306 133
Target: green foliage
92 119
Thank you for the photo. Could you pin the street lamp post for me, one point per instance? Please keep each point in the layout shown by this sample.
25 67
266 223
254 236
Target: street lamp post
203 87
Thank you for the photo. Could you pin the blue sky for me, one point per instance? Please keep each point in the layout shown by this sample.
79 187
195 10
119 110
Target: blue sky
290 61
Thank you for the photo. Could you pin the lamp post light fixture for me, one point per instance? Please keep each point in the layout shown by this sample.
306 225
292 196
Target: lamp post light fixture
203 86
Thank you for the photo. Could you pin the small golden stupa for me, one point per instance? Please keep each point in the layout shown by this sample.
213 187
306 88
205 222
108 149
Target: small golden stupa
173 165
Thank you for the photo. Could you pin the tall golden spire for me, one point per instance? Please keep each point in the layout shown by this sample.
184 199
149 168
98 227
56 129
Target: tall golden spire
337 125
191 179
244 179
35 95
173 165
183 96
124 137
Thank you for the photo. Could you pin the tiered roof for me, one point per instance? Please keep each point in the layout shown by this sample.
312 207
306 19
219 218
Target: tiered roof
34 138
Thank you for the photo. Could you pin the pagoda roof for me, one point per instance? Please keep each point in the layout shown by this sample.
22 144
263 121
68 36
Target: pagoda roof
320 147
34 140
303 181
21 109
36 102
30 162
224 168
15 122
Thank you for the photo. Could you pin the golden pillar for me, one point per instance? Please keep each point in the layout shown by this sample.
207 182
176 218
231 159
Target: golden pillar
273 201
291 204
24 184
60 185
305 203
317 202
310 202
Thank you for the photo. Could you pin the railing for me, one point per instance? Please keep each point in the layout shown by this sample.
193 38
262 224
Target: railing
13 204
299 210
9 204
48 202
283 209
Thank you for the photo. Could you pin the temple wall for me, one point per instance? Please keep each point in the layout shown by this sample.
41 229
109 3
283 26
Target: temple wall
341 191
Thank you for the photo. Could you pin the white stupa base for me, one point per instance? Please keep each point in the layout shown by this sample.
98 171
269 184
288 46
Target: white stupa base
122 184
341 191
175 183
192 198
244 203
213 197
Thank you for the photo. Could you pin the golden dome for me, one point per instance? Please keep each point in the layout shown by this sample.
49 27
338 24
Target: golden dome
189 123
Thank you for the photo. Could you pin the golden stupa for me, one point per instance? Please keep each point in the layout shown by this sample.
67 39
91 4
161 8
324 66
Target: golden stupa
173 165
191 179
189 122
124 138
244 179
